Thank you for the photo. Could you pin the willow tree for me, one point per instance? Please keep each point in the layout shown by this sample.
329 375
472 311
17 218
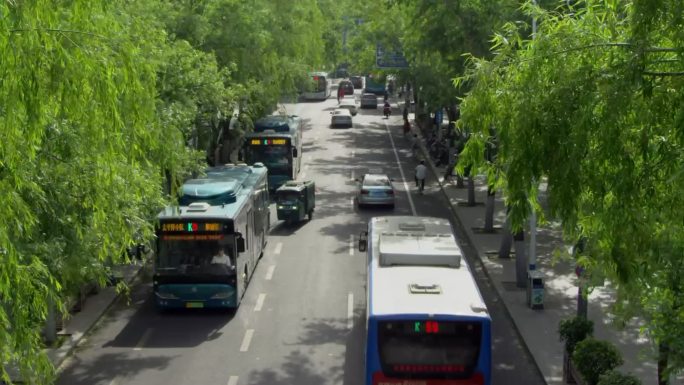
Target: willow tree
594 104
268 47
80 160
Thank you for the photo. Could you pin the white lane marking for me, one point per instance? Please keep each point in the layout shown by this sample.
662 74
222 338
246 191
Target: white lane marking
352 175
113 382
352 202
353 152
260 302
143 340
246 340
233 380
351 244
278 248
401 170
350 310
269 272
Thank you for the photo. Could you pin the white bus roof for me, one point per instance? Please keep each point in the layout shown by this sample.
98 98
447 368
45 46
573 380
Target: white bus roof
417 267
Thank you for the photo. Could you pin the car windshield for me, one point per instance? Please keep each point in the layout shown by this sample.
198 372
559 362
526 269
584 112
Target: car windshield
376 182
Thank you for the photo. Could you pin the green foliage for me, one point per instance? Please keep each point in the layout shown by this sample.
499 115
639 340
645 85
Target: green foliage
81 160
613 377
593 358
591 104
574 330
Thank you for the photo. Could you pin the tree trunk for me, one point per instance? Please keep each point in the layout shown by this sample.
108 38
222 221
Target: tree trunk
471 191
489 210
459 181
520 259
582 301
506 239
50 329
663 356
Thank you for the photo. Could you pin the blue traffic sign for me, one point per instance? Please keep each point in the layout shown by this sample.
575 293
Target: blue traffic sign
389 59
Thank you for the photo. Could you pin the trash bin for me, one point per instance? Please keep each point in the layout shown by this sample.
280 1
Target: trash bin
535 289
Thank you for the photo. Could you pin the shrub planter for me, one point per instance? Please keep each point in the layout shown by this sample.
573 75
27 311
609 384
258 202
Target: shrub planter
573 375
592 358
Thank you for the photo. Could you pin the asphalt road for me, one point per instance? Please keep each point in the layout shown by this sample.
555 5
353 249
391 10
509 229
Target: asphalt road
302 318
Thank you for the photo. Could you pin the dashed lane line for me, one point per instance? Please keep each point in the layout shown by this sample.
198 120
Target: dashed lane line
351 244
143 339
260 302
233 380
278 248
269 272
350 310
247 340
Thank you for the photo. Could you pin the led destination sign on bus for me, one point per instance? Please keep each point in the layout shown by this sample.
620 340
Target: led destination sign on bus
268 142
190 227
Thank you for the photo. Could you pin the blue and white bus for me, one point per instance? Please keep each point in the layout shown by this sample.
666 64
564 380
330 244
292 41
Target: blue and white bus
426 322
321 86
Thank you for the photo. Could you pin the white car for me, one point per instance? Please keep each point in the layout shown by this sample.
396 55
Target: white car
341 118
348 104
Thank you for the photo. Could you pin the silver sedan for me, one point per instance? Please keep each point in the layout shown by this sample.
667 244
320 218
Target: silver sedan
375 189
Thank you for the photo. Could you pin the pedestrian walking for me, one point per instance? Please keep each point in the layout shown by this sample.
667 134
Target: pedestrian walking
451 163
421 173
414 145
407 127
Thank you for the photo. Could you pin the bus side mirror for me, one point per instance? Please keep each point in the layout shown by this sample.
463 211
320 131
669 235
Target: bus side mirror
240 242
294 152
363 241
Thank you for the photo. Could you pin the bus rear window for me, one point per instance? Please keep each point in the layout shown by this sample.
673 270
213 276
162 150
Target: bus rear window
429 349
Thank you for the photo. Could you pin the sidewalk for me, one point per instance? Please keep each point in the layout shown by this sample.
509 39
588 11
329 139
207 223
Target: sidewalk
539 328
77 326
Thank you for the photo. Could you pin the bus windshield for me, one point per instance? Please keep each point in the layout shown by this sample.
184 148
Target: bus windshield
278 159
319 83
429 349
196 257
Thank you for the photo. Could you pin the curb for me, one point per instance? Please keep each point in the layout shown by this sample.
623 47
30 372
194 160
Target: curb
463 235
73 344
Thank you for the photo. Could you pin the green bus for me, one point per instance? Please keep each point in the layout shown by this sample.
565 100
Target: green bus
209 245
277 143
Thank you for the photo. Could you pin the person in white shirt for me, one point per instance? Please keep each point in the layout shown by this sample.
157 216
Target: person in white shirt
222 258
421 173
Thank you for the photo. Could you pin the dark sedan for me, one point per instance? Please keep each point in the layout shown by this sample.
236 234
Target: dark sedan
357 81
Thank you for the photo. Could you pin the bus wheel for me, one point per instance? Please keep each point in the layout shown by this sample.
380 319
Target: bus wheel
310 214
